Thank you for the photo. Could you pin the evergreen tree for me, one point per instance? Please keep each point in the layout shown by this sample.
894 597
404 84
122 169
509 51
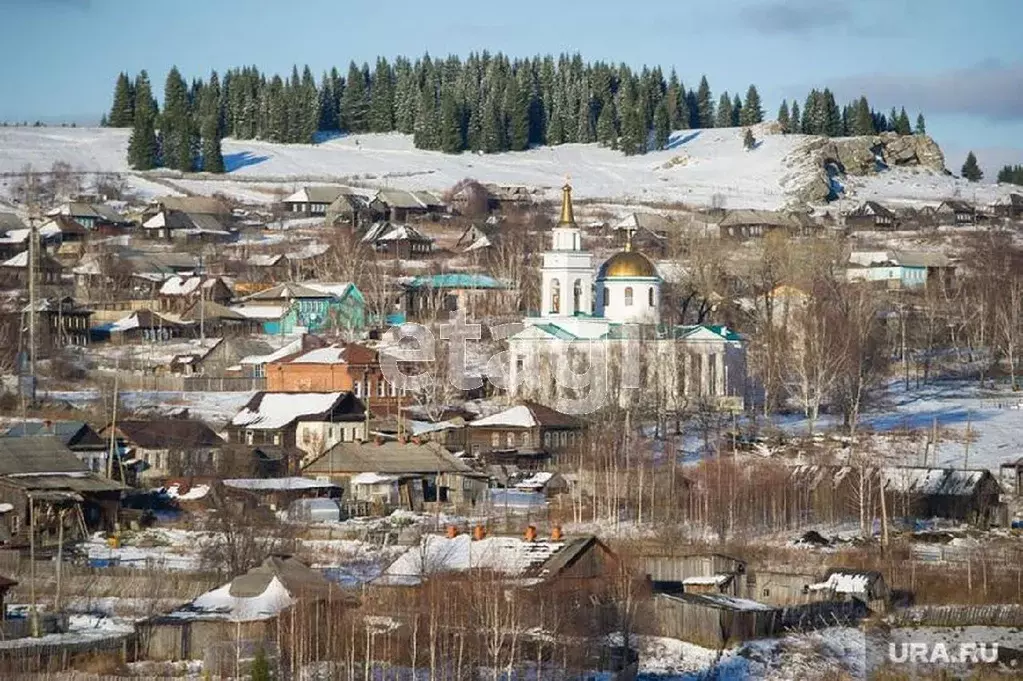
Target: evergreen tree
143 151
354 106
862 119
516 113
491 126
1011 174
607 126
921 126
406 97
103 122
811 123
704 105
752 109
971 170
210 127
451 139
893 121
662 126
260 670
585 131
832 115
795 121
176 124
122 112
144 100
382 98
724 111
425 132
736 110
783 116
902 125
675 99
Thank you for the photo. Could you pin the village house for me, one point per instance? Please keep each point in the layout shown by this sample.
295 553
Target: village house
746 224
221 320
78 436
871 216
381 475
178 225
257 607
428 296
648 232
312 422
144 325
14 271
41 476
472 199
402 242
278 494
507 197
255 364
1010 207
313 200
570 562
354 210
95 217
955 213
343 366
477 236
178 293
60 322
899 269
402 205
312 306
527 435
167 447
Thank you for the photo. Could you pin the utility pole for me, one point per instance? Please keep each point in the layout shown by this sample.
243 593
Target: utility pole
32 565
113 428
202 303
33 249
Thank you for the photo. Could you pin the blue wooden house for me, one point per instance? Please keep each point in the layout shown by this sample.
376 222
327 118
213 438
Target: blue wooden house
288 308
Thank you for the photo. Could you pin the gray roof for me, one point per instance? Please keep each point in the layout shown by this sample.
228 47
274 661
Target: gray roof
769 218
322 194
296 577
387 457
9 221
399 198
41 454
921 259
288 290
207 205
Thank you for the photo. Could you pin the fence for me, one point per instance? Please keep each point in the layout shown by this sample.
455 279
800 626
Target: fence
960 616
190 384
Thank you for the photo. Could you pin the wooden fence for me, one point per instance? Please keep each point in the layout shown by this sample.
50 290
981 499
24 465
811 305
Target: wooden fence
1009 615
190 384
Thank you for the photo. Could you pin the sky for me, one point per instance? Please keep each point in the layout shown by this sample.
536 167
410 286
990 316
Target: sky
959 62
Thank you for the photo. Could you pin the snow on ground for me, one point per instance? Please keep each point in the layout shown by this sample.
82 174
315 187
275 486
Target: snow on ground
244 192
698 166
165 548
919 186
81 629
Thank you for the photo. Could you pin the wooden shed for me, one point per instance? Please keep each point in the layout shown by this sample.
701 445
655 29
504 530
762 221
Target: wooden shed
711 620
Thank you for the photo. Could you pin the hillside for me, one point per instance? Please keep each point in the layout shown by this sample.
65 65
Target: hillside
701 167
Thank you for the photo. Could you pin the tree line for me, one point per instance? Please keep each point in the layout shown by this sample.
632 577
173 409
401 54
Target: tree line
485 103
1011 174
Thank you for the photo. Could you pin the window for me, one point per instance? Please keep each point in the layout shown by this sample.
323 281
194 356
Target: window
248 437
607 296
357 388
475 450
577 296
650 296
555 296
547 439
509 439
381 388
767 592
277 439
394 390
495 440
628 296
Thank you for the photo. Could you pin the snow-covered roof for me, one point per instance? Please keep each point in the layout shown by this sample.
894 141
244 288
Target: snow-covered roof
277 484
194 492
183 286
512 556
309 251
277 410
220 604
259 311
937 481
289 349
372 479
332 354
844 583
20 260
537 481
711 580
263 260
518 416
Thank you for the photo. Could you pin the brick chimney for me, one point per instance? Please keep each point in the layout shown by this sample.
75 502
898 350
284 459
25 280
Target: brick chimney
452 532
479 532
530 533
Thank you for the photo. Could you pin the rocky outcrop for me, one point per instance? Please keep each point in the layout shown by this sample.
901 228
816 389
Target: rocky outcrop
824 156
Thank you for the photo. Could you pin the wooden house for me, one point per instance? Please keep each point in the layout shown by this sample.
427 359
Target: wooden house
40 475
144 325
1010 207
746 224
313 200
402 205
401 242
78 436
354 210
971 495
528 435
701 573
96 217
221 320
256 607
310 421
60 323
955 213
14 271
871 216
177 225
312 306
277 494
168 447
713 621
866 586
387 474
341 366
178 293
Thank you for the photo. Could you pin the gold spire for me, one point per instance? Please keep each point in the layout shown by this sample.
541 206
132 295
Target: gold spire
628 239
567 216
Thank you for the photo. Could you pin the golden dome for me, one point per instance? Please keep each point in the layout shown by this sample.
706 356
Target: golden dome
626 265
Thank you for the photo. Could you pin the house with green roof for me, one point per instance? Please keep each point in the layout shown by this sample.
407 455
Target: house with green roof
425 296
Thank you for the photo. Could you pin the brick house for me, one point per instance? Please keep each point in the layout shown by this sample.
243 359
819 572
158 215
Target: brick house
311 421
347 367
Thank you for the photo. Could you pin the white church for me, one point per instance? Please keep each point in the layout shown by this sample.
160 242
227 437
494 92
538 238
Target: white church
599 338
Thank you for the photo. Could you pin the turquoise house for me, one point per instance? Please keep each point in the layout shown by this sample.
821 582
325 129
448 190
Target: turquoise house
315 307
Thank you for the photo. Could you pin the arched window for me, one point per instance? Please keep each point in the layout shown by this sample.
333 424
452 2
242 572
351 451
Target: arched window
628 296
607 296
555 296
495 440
577 296
650 296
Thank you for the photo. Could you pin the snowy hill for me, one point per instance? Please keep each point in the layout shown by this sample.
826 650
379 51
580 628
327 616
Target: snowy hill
701 167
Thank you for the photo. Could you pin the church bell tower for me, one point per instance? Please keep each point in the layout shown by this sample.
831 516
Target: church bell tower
567 288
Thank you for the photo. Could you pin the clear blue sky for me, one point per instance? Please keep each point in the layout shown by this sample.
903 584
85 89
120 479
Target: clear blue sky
960 62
